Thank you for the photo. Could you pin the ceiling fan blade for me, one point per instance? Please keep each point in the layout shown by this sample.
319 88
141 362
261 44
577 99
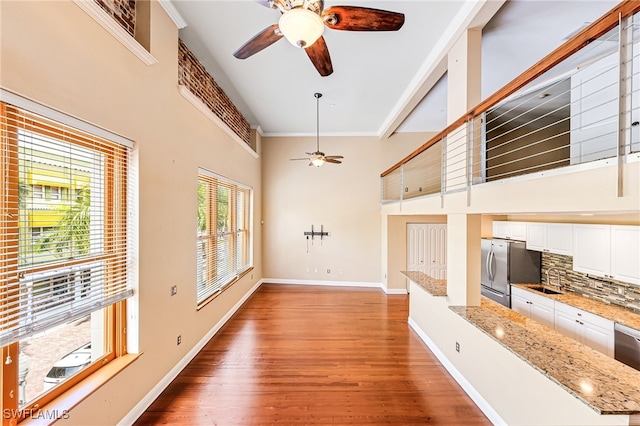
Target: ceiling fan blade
332 160
333 157
319 55
354 18
263 39
296 159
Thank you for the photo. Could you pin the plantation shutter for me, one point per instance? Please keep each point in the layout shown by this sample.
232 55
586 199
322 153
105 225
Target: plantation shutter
63 228
223 233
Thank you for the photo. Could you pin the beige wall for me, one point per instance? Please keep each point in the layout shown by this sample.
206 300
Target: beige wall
344 198
55 54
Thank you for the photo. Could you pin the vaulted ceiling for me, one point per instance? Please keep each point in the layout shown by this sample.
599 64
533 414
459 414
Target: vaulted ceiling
383 82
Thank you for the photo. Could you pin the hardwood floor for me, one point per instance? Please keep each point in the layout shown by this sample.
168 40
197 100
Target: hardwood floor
315 355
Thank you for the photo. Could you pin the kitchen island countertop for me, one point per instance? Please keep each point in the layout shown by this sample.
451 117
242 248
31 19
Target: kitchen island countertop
604 384
601 382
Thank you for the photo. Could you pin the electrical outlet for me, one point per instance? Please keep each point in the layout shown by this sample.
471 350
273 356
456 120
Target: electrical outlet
179 339
328 271
174 290
316 270
457 347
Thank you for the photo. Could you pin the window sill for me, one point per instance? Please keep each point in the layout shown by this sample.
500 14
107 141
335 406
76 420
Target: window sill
214 295
62 405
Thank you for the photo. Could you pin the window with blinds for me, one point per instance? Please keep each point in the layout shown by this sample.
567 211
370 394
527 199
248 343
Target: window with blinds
64 251
63 231
223 246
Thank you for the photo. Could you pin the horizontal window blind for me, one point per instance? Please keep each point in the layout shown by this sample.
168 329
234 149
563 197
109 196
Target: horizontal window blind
223 233
63 243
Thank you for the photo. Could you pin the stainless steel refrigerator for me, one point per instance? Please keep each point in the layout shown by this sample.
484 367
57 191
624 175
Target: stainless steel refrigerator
505 262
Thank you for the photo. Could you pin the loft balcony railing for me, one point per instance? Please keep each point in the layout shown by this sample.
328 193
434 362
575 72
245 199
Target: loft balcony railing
578 107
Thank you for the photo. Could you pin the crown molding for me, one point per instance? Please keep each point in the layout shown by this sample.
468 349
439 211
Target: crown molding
173 13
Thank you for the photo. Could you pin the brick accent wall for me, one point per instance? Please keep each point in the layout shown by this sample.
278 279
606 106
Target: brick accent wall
604 290
193 75
122 11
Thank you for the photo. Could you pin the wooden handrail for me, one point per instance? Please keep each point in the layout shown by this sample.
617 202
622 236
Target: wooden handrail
583 38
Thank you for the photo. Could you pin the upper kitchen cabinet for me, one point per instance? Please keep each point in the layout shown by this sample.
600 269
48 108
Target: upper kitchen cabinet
550 237
510 230
592 249
625 253
609 251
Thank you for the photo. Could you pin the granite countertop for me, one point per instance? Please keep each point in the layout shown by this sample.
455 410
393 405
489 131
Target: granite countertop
433 286
605 310
606 385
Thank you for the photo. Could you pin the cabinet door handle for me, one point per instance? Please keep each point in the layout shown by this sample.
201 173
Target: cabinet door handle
579 314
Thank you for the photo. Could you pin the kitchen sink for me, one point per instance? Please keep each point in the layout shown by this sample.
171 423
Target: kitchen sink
543 289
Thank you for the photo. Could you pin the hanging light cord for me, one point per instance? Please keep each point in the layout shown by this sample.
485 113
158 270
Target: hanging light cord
318 96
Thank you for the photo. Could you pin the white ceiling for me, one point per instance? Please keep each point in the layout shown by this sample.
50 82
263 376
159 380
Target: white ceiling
379 77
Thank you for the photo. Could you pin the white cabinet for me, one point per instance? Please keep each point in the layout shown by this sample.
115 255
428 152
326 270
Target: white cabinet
592 249
550 237
536 307
510 230
625 253
587 328
609 251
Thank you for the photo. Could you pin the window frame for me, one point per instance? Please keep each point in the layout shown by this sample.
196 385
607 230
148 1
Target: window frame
115 316
240 233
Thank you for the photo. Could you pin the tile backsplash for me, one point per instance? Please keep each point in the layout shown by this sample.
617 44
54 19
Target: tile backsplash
602 289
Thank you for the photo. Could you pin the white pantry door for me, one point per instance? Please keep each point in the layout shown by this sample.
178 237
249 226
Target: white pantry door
427 249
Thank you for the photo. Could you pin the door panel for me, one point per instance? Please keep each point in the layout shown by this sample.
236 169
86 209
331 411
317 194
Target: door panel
417 236
437 253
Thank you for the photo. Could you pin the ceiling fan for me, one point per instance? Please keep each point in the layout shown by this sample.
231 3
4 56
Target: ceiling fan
302 23
318 158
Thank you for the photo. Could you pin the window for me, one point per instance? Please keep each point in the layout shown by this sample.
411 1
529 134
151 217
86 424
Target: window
224 217
54 193
37 191
63 260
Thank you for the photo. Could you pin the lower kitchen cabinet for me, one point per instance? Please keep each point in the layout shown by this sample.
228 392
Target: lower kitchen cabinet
587 328
538 308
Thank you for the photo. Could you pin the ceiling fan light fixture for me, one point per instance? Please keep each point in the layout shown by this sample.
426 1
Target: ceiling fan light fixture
301 27
318 161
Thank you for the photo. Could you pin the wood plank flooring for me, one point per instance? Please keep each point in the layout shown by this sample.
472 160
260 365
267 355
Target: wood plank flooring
315 355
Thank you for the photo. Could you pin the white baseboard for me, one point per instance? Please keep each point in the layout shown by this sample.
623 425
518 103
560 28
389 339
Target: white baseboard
148 399
484 406
395 290
326 283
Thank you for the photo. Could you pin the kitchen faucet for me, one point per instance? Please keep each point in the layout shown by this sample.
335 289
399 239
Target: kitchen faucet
558 283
